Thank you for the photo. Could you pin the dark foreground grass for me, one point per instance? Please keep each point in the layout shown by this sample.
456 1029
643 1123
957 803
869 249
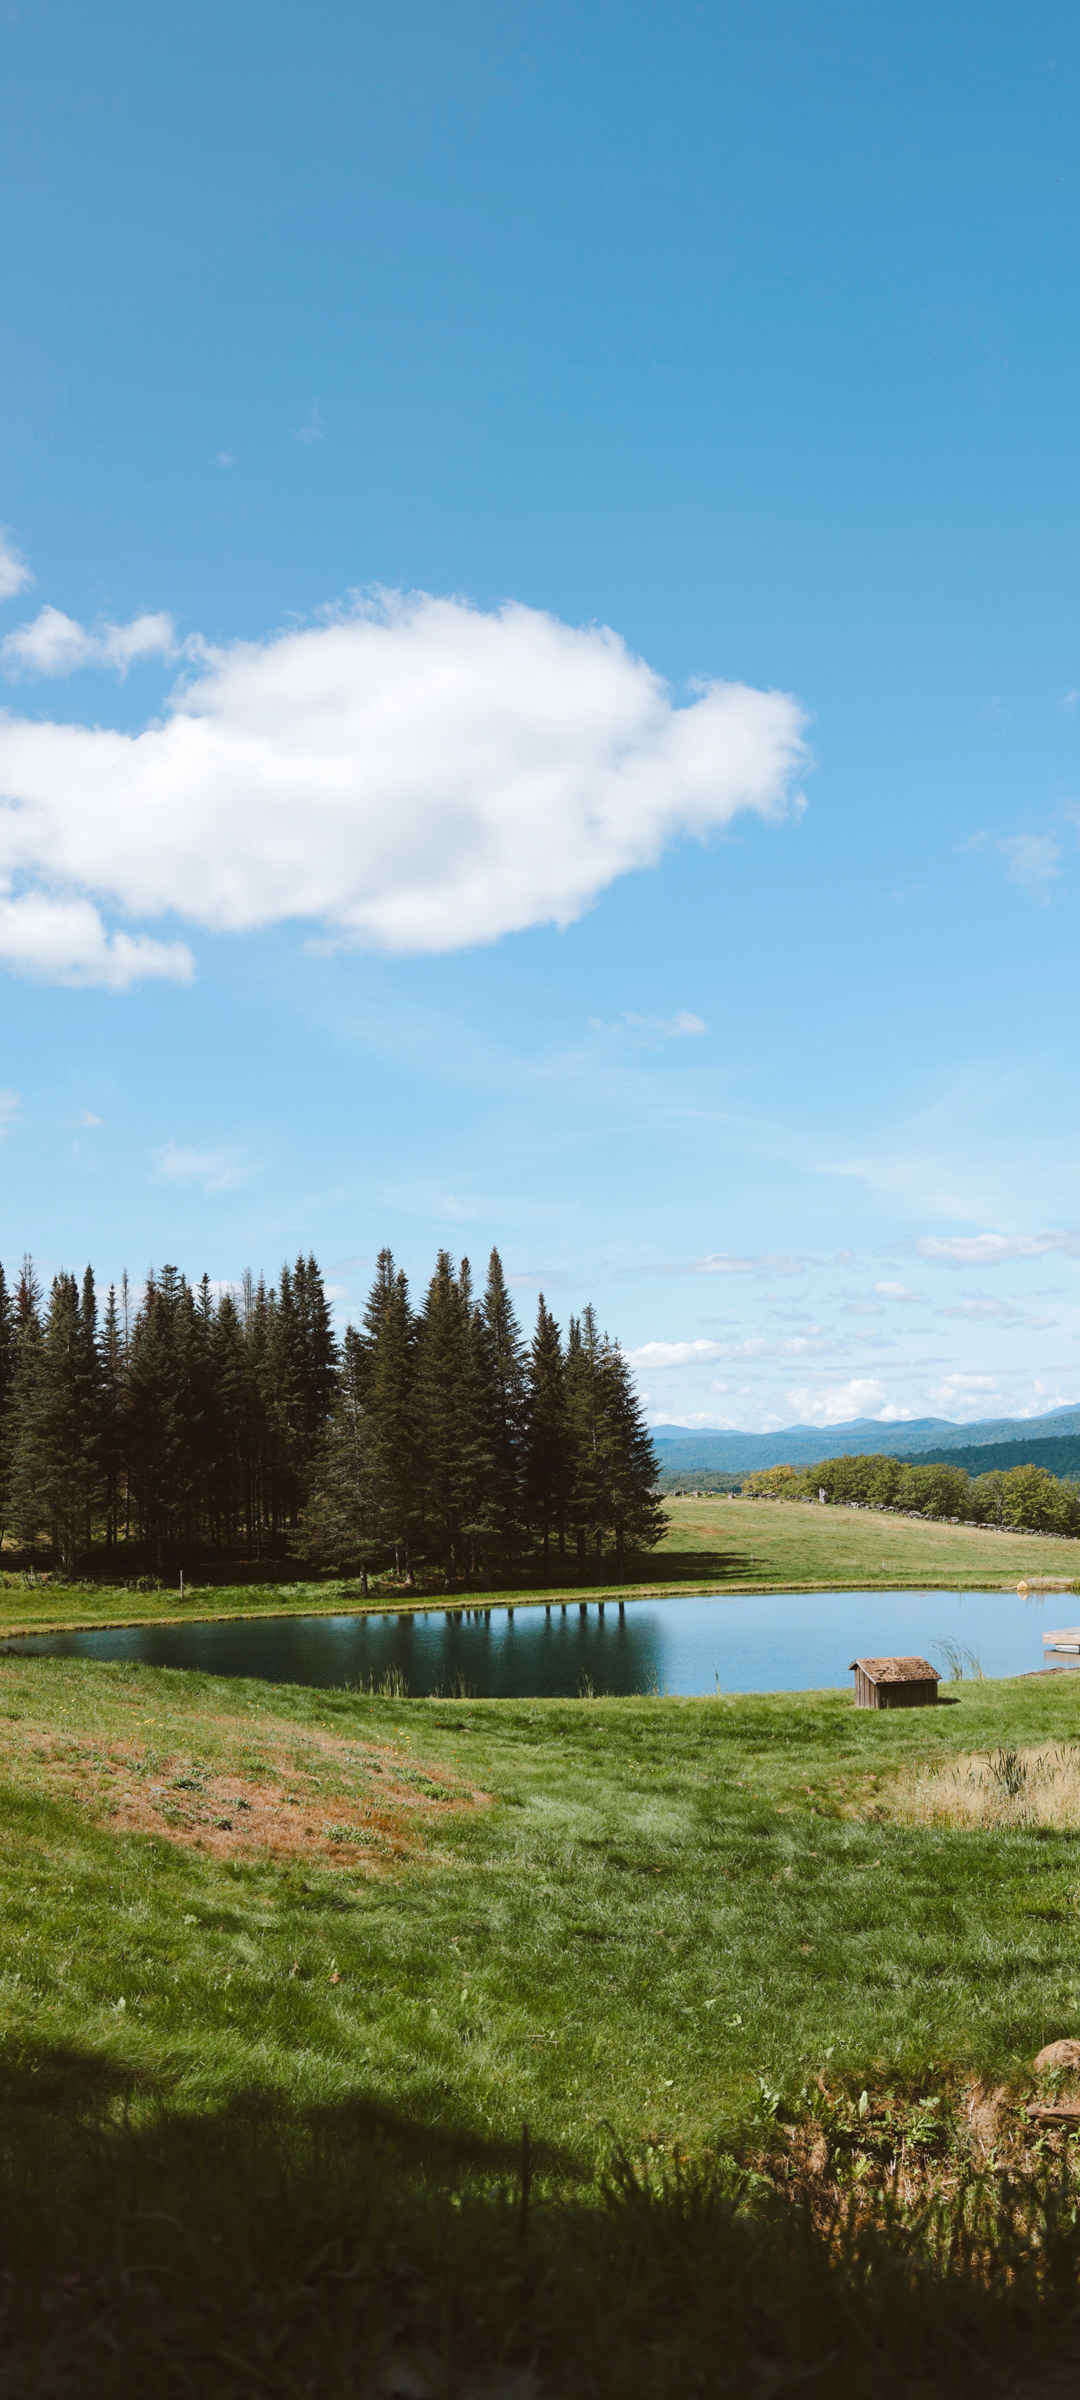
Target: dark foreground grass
262 2111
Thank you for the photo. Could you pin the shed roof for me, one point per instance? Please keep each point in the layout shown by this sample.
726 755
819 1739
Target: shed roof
897 1670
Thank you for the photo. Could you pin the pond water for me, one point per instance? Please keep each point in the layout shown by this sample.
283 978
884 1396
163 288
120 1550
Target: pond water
696 1643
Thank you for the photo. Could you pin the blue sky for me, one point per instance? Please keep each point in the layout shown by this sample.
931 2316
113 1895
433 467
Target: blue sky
540 672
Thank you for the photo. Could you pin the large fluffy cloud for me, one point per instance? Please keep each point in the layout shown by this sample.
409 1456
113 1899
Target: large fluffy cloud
413 773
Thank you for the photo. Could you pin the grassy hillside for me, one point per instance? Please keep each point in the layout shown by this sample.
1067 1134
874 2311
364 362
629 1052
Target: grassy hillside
783 1542
286 1975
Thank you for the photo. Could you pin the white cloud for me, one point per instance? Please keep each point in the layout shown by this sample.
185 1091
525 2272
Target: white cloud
994 1249
89 1120
835 1404
964 1395
65 941
10 1104
664 1029
1032 860
53 644
769 1262
894 1291
215 1170
676 1354
14 572
415 774
313 428
701 1353
977 1304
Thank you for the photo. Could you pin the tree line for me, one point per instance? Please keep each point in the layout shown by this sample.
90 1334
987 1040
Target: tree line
189 1420
1027 1498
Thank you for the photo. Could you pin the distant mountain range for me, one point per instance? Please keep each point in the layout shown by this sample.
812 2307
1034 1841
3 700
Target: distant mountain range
688 1450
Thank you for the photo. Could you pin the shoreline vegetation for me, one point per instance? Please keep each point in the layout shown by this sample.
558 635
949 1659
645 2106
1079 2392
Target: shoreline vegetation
712 1546
1024 1498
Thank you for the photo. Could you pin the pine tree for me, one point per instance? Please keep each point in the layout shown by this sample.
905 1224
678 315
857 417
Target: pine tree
386 1370
546 1455
338 1519
54 1465
111 1448
629 1499
584 1434
163 1415
8 1351
441 1423
501 1362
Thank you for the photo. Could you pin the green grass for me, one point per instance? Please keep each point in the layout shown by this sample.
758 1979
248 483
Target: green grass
710 1544
270 2109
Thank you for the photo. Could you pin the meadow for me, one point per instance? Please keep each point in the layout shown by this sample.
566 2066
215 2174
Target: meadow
709 1545
514 2049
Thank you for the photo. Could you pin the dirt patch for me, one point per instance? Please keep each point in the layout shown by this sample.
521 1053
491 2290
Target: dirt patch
254 1790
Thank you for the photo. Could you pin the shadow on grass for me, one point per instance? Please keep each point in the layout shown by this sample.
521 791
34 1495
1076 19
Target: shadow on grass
349 2249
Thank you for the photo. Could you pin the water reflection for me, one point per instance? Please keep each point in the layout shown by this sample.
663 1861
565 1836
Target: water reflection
696 1643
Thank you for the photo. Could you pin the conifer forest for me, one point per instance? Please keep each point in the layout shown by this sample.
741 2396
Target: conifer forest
187 1421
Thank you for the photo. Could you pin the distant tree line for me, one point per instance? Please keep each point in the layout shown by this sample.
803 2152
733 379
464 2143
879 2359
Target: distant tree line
1027 1498
190 1420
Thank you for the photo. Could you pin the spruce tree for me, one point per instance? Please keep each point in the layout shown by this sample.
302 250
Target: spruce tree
546 1454
441 1423
7 1399
338 1519
55 1456
584 1434
111 1447
501 1354
630 1502
386 1370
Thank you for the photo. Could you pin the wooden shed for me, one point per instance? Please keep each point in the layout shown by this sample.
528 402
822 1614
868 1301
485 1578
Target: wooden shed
894 1683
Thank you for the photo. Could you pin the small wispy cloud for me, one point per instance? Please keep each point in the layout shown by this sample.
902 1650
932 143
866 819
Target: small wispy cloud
53 644
14 571
889 1290
215 1170
1069 699
10 1104
87 1118
662 1029
966 1393
1032 861
313 428
224 458
995 1249
767 1262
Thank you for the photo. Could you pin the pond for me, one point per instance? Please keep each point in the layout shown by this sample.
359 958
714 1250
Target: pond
696 1643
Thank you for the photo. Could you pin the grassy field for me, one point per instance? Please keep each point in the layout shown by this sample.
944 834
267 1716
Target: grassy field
709 1544
419 2047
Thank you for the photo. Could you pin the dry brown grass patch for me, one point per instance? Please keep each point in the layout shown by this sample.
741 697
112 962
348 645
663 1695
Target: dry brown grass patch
252 1788
995 1788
